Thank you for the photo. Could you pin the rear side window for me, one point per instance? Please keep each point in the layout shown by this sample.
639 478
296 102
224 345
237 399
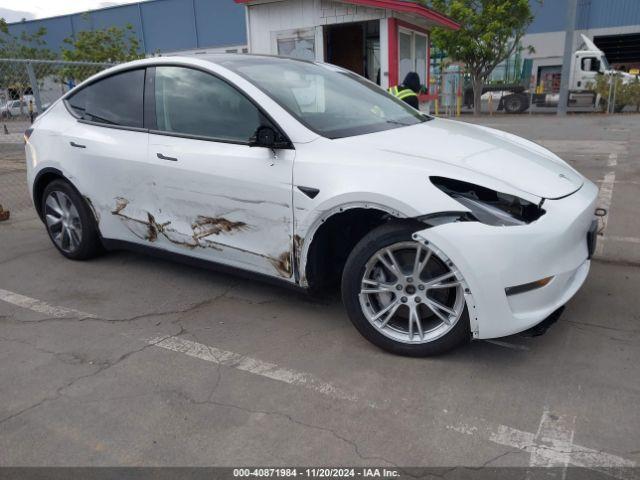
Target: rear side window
115 100
196 103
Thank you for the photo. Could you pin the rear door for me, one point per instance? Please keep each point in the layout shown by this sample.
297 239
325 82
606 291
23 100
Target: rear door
106 150
215 196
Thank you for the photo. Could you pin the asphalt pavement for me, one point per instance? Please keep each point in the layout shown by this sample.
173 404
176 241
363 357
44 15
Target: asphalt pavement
131 360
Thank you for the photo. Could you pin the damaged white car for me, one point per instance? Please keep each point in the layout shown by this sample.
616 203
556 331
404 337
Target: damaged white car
436 231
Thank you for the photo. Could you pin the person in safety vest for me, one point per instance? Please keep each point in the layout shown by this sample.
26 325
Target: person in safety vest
409 89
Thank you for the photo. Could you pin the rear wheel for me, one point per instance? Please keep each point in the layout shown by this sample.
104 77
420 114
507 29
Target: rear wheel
405 296
516 103
70 223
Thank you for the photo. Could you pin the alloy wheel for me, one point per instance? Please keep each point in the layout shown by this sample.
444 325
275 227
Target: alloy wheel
411 293
63 221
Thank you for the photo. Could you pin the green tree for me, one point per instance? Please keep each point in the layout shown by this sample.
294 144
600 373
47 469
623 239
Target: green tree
113 44
31 46
626 93
635 93
108 45
491 30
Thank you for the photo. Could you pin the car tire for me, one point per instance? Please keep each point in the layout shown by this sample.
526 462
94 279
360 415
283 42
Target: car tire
358 305
70 222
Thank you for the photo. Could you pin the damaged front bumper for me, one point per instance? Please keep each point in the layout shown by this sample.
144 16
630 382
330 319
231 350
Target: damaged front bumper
493 259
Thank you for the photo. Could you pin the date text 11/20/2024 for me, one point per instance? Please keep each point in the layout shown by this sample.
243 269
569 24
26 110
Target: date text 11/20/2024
316 472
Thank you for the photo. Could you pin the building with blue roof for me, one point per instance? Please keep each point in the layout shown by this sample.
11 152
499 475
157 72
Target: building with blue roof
267 26
162 26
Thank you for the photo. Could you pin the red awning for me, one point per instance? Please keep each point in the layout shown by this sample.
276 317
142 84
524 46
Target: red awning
402 6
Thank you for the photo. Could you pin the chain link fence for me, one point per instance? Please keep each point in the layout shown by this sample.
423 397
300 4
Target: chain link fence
27 88
450 94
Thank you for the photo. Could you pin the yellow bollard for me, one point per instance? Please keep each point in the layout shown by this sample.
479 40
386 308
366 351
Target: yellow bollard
490 104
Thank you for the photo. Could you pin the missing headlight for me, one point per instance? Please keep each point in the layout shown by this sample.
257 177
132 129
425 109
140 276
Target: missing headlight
489 206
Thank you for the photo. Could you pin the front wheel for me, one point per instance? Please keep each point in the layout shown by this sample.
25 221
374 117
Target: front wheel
405 296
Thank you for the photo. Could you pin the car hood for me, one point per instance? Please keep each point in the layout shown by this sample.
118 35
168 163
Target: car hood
508 158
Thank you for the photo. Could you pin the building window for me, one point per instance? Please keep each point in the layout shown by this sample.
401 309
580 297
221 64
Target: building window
297 44
412 51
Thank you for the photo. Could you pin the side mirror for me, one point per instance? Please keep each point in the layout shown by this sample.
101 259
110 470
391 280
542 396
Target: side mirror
268 137
265 137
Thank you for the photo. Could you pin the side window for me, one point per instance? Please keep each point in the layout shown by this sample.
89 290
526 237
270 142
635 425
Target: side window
590 64
115 100
192 102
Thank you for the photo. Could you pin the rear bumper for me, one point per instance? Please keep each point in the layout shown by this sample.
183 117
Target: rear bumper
492 259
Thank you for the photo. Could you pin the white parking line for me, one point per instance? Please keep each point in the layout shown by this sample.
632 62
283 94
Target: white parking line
604 198
41 307
197 350
557 430
613 238
551 446
251 365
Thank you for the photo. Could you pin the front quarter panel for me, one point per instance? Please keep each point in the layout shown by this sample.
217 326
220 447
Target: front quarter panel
348 177
345 174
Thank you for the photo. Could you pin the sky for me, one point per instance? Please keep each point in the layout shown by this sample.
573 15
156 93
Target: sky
16 10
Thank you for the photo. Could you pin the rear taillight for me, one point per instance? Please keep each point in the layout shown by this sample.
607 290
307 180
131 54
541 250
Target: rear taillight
27 134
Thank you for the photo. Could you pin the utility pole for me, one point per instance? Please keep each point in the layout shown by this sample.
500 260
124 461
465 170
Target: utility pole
572 7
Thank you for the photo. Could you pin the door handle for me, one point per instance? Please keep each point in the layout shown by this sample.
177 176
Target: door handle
77 145
164 157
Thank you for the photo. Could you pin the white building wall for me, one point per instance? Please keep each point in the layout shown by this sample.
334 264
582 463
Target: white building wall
284 16
269 21
285 19
206 51
338 12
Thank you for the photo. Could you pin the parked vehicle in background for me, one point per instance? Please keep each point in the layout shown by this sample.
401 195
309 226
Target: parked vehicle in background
586 65
20 108
436 231
14 108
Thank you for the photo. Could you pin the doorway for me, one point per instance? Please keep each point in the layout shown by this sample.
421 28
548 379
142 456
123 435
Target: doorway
355 46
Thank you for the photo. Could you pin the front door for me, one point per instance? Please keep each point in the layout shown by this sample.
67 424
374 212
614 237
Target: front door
214 196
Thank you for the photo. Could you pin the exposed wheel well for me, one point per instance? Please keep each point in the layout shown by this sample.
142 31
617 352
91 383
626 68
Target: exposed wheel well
334 241
43 179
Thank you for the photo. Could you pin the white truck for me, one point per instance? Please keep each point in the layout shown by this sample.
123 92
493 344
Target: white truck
586 64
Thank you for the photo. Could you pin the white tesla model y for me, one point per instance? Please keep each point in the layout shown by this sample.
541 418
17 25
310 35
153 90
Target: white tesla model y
437 231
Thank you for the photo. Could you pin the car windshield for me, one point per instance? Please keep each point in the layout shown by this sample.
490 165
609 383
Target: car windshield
334 104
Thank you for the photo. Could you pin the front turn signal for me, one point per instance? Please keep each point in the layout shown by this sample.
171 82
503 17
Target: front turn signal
526 287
